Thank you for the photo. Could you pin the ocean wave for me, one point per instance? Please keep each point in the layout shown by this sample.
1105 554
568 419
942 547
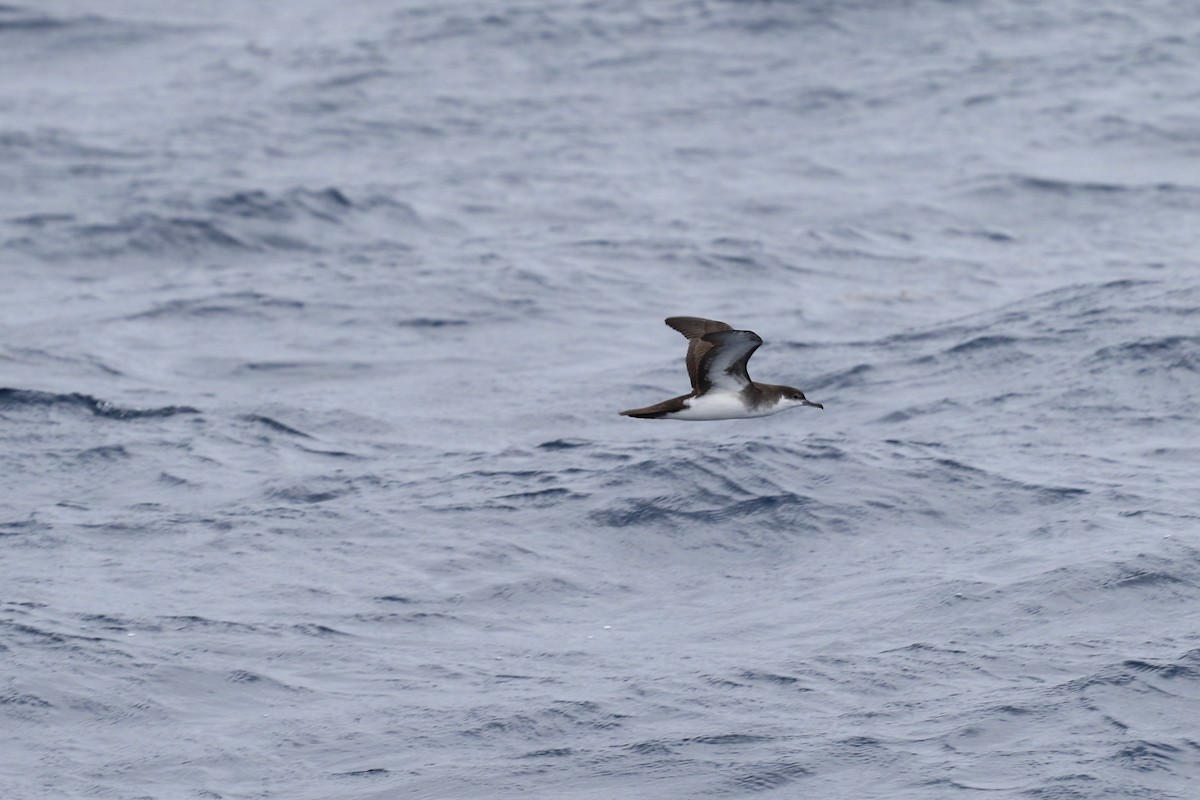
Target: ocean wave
275 425
1016 184
145 234
14 400
38 35
744 494
1152 354
251 304
57 145
1054 341
298 220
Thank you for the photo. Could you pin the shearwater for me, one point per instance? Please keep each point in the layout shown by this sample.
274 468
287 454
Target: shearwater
721 387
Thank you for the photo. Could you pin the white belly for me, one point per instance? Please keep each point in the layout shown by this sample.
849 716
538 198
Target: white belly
720 405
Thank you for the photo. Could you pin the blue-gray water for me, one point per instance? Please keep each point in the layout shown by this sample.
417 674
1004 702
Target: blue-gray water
315 318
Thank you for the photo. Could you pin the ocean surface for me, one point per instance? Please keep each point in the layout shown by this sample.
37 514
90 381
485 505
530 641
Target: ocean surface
316 317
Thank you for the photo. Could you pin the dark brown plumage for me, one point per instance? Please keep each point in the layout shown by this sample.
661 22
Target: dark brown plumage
658 410
694 329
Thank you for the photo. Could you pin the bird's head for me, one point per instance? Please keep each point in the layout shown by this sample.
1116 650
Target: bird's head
795 397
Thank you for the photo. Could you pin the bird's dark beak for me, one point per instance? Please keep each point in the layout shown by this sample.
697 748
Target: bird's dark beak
816 405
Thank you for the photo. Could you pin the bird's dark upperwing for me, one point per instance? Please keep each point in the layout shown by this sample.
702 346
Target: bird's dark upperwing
695 328
724 365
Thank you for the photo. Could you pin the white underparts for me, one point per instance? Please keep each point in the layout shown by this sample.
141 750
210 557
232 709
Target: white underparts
717 404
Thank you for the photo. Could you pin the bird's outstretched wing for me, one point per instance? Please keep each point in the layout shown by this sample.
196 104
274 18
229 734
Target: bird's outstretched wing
695 329
724 365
